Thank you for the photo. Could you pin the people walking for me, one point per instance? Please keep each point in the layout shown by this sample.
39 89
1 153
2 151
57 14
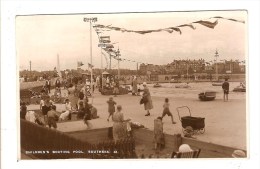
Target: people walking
148 104
166 110
111 107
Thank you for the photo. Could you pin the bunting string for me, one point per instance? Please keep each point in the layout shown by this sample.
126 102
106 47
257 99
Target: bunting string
230 19
205 23
108 48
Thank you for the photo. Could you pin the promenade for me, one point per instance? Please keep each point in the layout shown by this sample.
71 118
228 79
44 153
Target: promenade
225 122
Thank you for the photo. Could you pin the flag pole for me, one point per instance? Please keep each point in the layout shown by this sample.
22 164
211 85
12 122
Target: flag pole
90 20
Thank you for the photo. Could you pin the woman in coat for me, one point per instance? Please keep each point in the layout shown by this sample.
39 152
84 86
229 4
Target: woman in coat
148 105
119 125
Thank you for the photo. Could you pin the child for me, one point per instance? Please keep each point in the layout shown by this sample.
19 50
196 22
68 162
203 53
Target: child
93 111
45 108
87 115
111 107
158 134
166 110
81 110
52 116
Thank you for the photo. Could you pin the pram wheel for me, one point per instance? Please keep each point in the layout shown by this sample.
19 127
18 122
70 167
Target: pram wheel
202 130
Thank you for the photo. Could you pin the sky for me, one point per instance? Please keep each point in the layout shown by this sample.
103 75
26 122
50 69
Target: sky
40 38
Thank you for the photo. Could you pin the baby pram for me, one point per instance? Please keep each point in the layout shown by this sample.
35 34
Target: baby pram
191 125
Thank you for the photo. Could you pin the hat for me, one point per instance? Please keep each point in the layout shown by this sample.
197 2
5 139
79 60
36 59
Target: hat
238 154
184 148
144 83
119 107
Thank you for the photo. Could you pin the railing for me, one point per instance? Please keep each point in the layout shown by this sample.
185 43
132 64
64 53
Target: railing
45 143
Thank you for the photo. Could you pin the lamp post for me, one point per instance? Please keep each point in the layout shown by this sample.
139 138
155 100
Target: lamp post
90 20
216 55
187 70
30 62
118 59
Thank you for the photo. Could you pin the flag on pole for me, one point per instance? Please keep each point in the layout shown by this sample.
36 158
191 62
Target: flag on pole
57 70
90 66
80 64
105 39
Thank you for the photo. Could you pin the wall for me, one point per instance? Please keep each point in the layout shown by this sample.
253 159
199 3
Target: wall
144 143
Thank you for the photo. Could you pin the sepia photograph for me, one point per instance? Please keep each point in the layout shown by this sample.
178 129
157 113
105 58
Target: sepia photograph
133 85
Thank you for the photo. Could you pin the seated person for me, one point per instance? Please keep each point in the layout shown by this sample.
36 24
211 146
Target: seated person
183 149
57 94
93 111
68 109
30 116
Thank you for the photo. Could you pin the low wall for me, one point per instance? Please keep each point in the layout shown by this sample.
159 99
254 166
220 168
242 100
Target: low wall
91 136
45 143
144 143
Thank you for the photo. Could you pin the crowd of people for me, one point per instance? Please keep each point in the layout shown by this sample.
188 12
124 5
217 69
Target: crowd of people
77 102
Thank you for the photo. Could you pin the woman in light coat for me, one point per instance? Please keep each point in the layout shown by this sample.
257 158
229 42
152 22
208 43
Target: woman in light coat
149 104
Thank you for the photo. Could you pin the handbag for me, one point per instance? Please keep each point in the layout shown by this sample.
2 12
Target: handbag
143 100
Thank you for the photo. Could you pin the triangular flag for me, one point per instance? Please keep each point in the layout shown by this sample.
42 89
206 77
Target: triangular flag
208 24
80 64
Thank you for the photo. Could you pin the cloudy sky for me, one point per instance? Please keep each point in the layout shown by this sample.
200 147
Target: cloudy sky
40 38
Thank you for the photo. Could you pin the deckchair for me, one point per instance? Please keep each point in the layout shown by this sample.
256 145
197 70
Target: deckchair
190 154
